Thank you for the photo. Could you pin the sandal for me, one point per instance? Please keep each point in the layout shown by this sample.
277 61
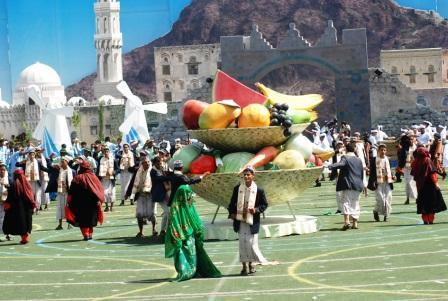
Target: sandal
139 235
244 272
346 227
252 270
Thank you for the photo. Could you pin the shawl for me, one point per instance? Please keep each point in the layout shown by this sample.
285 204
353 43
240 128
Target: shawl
246 202
64 181
4 190
421 167
106 167
382 164
89 181
32 165
23 187
147 185
127 160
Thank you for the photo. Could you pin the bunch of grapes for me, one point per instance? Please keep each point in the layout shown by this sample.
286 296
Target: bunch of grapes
279 117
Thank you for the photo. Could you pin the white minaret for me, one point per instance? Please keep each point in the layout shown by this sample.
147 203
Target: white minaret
108 44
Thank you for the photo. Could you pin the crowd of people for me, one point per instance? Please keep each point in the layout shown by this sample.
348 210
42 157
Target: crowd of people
361 163
83 179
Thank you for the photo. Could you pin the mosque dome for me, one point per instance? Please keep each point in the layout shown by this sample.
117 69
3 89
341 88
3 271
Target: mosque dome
4 104
39 74
46 79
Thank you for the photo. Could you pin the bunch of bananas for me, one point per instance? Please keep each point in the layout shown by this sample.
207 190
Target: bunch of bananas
300 105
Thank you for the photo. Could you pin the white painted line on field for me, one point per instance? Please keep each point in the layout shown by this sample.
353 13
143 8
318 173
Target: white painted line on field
221 281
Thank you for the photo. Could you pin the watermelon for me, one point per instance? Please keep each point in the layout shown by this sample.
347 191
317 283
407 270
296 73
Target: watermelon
234 162
226 87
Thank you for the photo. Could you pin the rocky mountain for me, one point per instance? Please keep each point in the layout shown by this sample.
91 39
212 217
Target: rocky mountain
389 26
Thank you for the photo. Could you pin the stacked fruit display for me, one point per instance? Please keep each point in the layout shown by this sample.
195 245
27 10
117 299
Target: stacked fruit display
242 127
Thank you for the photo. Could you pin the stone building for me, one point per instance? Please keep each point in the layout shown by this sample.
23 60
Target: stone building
418 68
180 69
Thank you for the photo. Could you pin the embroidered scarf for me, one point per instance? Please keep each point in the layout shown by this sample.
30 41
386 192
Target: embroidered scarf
43 175
3 190
107 167
142 182
32 170
245 202
64 180
383 173
127 160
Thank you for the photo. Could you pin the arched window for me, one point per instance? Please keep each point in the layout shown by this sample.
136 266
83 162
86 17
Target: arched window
105 25
174 113
445 101
421 100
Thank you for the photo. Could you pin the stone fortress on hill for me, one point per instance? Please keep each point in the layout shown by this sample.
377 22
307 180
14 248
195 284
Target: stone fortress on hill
410 86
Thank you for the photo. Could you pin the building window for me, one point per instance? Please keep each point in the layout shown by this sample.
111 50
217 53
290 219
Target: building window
166 70
180 57
394 70
167 96
181 84
421 100
93 130
193 66
431 73
174 114
108 129
412 77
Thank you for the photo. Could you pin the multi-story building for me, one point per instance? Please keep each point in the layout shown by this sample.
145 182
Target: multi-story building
183 68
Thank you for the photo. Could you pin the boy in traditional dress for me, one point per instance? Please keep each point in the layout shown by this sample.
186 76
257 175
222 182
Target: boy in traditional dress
43 178
381 180
126 159
106 172
350 184
247 203
141 192
4 184
64 179
408 146
159 192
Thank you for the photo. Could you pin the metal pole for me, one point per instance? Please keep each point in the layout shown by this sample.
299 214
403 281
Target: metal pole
216 213
292 211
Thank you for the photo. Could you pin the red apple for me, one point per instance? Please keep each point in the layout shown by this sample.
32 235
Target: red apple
191 111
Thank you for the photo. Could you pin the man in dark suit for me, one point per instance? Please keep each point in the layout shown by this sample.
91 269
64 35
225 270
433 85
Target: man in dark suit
350 184
247 203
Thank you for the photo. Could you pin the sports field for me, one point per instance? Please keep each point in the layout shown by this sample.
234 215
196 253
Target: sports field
397 260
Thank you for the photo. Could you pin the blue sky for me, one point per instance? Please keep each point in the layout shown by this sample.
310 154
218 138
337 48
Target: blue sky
60 33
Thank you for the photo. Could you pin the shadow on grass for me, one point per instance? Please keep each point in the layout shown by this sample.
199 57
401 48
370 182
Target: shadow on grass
330 229
80 239
136 241
148 281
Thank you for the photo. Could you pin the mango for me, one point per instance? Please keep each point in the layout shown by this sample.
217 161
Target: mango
254 115
290 159
219 115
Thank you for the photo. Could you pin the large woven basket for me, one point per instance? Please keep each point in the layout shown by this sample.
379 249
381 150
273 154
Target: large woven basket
280 186
244 139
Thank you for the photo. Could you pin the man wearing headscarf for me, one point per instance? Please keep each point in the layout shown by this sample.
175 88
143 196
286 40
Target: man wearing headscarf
19 207
106 172
126 161
141 192
247 203
85 197
32 168
430 200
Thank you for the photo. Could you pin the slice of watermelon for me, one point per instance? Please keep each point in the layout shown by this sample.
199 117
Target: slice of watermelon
226 87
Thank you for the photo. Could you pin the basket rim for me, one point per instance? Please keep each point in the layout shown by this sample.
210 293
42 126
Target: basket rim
248 128
265 171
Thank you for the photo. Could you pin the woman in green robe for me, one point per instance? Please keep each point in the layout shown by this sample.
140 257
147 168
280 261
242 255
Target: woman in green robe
184 239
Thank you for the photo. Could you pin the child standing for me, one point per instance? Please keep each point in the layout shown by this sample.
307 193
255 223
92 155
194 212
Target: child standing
381 181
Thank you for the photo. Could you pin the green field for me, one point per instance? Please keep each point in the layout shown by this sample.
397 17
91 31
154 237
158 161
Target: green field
396 260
